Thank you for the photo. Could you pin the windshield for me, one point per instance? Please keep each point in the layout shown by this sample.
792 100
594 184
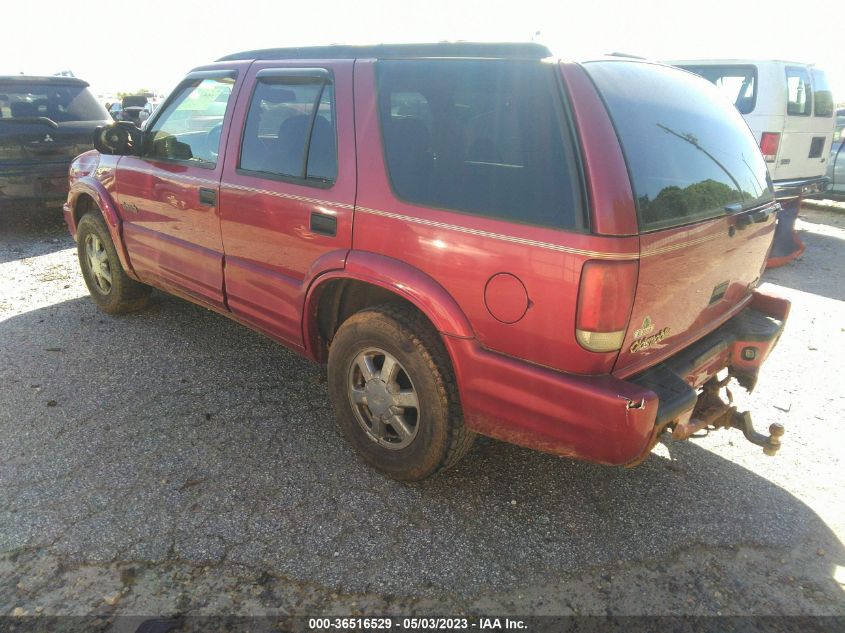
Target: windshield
59 102
689 152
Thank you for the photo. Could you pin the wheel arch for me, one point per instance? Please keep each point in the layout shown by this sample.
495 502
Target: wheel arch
368 280
86 195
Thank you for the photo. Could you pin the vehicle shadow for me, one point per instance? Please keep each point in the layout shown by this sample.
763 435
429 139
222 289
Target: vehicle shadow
175 434
31 233
819 270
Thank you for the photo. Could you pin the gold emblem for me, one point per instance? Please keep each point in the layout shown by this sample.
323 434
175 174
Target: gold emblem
642 344
646 328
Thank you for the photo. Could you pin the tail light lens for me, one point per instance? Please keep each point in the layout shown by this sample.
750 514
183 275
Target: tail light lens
605 298
769 145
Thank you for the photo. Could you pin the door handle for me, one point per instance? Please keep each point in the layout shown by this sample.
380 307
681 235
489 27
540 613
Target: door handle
208 197
323 224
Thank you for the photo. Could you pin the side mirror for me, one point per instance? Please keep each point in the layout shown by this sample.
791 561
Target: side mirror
121 138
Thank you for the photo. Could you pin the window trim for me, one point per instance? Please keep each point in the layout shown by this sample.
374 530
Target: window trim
569 134
198 75
325 76
808 83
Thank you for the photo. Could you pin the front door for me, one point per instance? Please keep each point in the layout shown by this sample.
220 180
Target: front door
168 194
288 190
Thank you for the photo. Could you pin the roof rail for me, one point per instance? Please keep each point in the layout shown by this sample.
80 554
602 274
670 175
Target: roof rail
508 50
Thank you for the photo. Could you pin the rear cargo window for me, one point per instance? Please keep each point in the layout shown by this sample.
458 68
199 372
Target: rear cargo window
799 99
56 101
487 137
688 150
737 83
822 96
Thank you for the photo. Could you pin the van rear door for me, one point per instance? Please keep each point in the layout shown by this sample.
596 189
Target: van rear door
704 200
808 125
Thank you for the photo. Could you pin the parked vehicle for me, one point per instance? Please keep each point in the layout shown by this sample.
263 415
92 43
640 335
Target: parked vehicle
135 109
836 164
505 275
44 123
789 108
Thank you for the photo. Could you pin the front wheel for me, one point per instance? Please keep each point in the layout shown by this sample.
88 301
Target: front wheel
394 394
111 288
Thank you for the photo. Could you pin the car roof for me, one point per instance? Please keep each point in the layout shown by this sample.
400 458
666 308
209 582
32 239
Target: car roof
718 62
48 79
507 50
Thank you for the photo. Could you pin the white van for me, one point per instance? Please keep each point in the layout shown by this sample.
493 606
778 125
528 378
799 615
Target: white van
789 108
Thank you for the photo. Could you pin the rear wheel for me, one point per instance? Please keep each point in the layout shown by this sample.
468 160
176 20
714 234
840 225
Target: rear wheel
394 395
111 288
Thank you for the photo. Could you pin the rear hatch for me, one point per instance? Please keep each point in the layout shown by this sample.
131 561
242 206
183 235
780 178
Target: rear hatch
46 121
704 201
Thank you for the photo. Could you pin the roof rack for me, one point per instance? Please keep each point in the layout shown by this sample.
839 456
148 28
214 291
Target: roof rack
507 50
53 79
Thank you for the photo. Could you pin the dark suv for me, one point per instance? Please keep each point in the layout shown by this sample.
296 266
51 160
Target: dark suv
44 123
474 238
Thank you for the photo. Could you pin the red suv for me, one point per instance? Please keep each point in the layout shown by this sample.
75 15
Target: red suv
474 237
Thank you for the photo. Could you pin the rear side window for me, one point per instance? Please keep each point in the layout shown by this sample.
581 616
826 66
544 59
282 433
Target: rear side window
737 83
56 101
799 99
290 129
822 95
486 137
688 150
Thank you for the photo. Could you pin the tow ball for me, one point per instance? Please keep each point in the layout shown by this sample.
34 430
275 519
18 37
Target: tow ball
711 413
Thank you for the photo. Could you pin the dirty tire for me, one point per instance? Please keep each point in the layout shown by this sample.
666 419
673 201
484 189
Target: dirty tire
121 293
440 439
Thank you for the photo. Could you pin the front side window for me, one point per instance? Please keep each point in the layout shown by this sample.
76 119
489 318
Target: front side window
822 95
290 130
737 83
486 137
689 152
189 127
799 100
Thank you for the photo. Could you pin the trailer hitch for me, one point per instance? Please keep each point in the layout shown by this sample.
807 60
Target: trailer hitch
711 413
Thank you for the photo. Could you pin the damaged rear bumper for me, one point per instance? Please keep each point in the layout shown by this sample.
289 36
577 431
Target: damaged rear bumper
689 391
606 419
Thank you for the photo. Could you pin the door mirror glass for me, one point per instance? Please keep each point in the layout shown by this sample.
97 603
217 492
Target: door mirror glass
121 138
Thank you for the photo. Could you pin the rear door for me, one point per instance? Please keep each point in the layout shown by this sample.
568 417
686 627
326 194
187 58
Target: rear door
168 195
288 190
705 204
808 126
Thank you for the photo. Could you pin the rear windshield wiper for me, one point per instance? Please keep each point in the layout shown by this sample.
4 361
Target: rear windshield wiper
32 119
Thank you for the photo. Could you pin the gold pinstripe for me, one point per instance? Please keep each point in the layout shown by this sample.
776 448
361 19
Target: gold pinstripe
498 236
650 252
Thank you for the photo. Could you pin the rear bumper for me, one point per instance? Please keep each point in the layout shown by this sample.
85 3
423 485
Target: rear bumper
602 418
35 185
785 189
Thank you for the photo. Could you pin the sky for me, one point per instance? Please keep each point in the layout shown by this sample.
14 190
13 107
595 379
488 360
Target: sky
124 46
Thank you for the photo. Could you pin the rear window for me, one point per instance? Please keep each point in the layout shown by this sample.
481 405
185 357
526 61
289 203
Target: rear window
688 150
56 101
822 96
799 99
486 137
737 82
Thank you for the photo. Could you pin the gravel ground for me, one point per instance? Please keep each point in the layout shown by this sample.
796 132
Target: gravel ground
173 461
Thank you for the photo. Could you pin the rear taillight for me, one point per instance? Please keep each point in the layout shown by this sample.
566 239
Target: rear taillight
769 145
605 298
